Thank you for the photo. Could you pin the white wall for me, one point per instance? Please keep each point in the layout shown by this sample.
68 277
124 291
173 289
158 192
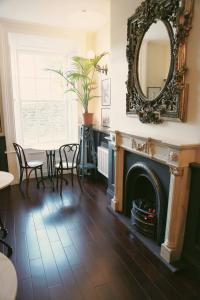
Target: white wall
102 44
188 132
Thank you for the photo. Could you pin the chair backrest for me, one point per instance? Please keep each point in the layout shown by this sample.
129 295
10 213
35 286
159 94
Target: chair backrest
69 153
20 155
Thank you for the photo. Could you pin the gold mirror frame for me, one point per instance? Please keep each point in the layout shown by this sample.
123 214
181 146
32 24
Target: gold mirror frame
171 103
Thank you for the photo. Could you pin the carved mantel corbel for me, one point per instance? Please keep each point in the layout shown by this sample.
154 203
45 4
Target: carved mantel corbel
116 148
173 156
176 171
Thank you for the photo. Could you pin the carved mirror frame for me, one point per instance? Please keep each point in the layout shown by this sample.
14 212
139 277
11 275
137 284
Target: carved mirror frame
171 103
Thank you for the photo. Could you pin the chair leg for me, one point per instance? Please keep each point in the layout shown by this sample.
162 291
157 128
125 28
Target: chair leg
61 180
27 179
42 177
72 177
78 177
56 178
36 177
9 249
21 175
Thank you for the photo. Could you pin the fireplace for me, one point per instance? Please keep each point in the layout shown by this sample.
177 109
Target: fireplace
167 205
145 202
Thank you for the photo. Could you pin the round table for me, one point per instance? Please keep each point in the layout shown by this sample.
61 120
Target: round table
47 147
8 279
5 179
50 149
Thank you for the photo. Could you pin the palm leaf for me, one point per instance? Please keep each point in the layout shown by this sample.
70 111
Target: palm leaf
80 78
73 76
97 58
59 72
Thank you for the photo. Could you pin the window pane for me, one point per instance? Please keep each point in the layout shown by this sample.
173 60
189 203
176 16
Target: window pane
52 122
56 88
27 88
29 123
26 64
44 123
43 88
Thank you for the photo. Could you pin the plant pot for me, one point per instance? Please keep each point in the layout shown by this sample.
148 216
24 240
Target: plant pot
87 118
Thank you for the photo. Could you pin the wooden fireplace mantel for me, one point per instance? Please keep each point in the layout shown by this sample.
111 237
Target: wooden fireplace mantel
178 157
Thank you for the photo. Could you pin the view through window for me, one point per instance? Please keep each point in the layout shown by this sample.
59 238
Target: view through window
43 112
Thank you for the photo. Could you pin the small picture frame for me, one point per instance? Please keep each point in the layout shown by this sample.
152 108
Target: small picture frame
105 92
153 92
105 117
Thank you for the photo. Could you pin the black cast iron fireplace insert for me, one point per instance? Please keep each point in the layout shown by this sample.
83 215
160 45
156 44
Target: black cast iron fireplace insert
144 201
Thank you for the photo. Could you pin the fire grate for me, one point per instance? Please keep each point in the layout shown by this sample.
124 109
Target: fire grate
144 217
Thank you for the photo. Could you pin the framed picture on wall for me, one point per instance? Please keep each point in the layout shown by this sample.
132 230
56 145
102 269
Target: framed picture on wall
105 92
105 117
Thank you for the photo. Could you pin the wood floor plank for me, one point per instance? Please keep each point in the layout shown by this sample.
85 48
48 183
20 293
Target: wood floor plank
64 235
40 288
32 241
84 283
48 259
25 289
65 272
72 255
58 292
22 257
105 292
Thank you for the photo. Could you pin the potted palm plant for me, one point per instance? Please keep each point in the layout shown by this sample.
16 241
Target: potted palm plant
80 80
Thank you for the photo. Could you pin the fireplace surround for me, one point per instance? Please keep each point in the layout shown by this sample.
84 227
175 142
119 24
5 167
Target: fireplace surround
174 159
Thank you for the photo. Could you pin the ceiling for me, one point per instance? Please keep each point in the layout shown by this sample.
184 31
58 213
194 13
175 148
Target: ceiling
89 15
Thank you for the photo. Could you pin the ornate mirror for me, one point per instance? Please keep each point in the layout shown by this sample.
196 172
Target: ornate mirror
156 54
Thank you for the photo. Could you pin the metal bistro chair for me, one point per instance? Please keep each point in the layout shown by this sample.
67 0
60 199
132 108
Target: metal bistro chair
28 166
69 160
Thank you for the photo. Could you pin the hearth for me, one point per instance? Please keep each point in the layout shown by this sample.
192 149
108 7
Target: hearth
144 201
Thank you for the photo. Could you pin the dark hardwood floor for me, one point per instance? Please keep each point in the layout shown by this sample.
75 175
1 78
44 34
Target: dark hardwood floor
73 248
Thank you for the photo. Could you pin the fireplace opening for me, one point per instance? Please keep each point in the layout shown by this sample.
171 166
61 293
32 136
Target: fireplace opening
144 202
144 210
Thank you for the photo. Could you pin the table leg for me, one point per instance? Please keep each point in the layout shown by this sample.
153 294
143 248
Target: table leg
3 229
5 232
9 249
50 154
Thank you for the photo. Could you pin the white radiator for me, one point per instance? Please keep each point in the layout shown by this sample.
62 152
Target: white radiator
102 158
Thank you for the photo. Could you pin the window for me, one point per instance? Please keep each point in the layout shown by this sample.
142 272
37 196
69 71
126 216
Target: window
43 112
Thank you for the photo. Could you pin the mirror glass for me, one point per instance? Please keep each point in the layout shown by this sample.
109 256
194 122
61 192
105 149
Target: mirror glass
154 60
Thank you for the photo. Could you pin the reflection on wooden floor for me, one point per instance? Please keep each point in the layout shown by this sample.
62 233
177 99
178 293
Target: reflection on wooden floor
73 248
